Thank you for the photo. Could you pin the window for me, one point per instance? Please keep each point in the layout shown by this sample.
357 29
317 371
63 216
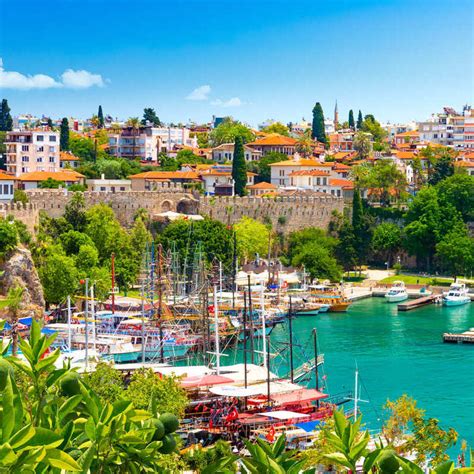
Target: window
282 181
40 149
52 138
52 149
25 148
39 159
282 172
51 159
25 159
40 138
102 188
122 188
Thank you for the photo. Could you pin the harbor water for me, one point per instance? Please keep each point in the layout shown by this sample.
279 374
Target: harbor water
396 353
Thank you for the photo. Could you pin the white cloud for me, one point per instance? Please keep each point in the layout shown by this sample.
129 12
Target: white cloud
200 93
69 79
233 102
81 79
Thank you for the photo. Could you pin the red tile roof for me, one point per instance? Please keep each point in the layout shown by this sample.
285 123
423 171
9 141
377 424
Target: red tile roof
7 177
274 140
310 173
56 175
341 183
262 185
166 175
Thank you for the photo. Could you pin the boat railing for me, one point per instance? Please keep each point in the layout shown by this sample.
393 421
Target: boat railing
340 398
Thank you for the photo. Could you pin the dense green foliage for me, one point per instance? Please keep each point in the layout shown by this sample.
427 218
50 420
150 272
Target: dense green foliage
53 421
6 121
8 237
351 122
187 237
317 130
253 237
100 116
239 168
263 166
228 130
64 135
150 117
277 127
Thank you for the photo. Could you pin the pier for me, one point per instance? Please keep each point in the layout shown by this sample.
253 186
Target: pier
418 303
466 337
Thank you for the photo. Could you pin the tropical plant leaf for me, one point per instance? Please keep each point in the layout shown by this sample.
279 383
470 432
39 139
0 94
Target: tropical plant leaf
8 412
21 437
68 406
61 460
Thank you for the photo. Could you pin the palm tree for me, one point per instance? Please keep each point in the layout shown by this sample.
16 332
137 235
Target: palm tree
304 145
134 124
16 309
115 127
95 121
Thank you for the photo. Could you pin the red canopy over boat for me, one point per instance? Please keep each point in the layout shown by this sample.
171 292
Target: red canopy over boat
298 396
204 381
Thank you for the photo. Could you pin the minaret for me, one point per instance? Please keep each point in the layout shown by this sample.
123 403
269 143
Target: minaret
336 117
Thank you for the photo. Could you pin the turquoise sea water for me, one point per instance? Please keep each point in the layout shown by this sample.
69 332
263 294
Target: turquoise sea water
396 353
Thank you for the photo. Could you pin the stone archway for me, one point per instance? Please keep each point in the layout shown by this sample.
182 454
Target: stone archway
166 206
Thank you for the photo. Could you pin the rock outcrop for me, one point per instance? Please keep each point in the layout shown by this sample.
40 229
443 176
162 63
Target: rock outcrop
20 270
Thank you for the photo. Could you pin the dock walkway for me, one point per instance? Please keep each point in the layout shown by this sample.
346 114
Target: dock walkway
466 337
418 303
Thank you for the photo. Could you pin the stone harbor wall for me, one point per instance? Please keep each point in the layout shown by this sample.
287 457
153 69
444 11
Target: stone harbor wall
286 214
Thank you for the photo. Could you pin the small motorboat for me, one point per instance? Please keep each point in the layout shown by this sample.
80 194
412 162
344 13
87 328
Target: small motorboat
397 293
457 295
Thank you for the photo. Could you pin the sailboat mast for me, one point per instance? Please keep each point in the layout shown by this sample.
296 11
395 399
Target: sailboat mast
290 323
356 393
268 371
216 323
264 338
245 339
316 375
86 315
94 328
160 303
143 322
251 320
69 335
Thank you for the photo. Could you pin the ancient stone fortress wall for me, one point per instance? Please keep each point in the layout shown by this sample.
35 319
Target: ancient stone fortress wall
169 197
26 213
286 214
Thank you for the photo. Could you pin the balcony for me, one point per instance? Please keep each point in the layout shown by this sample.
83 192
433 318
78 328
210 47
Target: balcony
18 139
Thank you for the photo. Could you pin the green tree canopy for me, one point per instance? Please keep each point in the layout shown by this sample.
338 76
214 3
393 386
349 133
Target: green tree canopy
6 121
458 191
59 277
8 237
184 236
100 116
387 240
318 131
370 125
72 241
51 183
252 237
360 121
455 251
64 134
277 127
150 117
263 166
239 167
351 122
228 130
363 144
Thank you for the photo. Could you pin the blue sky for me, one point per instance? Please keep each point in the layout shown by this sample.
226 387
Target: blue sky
399 60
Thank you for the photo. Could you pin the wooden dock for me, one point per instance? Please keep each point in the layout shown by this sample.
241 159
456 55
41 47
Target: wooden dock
466 337
418 303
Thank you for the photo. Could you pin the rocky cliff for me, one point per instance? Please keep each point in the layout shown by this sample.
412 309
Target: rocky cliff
20 270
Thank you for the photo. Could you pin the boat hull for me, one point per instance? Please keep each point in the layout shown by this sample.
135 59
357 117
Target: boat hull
395 298
456 302
339 307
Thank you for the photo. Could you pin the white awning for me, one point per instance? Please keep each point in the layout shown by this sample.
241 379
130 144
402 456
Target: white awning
283 415
231 391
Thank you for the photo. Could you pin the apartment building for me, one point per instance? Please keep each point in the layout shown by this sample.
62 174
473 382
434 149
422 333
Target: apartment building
448 128
225 153
147 142
30 151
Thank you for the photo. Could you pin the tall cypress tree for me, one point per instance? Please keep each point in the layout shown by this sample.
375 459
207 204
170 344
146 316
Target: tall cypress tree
359 120
100 116
239 168
351 119
6 121
64 135
317 130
